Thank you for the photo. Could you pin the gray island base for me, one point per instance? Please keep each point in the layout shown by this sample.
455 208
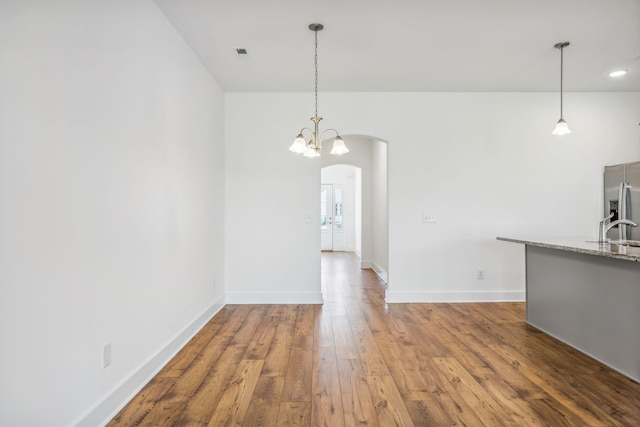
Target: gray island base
588 296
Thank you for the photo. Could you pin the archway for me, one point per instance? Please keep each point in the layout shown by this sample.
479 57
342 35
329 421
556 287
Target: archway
369 156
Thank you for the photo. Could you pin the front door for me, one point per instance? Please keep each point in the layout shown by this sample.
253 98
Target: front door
331 218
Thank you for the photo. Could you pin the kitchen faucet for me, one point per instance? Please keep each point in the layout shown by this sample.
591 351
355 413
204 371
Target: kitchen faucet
605 226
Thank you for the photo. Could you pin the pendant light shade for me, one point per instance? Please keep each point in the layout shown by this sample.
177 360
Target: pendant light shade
338 146
561 127
299 145
312 148
312 151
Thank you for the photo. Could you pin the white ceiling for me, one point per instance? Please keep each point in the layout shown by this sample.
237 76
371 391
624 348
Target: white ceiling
413 45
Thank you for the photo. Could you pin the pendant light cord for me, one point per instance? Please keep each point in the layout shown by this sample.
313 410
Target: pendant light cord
561 76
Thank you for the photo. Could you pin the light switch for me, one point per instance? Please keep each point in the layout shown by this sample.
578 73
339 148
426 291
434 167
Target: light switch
429 218
308 218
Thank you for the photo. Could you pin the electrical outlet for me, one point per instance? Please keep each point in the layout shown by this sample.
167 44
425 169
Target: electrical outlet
106 355
480 275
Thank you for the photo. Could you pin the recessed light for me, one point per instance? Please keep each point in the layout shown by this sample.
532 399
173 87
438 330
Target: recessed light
241 51
618 73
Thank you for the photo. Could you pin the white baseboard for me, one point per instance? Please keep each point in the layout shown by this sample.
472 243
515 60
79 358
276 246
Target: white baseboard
489 296
380 272
274 298
365 263
109 407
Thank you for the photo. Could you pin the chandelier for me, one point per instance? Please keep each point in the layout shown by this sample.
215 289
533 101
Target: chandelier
313 147
561 127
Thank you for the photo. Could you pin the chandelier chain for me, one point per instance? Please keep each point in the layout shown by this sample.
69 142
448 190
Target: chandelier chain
312 147
316 66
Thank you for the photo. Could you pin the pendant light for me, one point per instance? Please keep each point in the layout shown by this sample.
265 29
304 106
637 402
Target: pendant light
313 147
561 126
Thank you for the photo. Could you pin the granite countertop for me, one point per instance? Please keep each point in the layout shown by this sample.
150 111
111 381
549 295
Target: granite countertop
581 245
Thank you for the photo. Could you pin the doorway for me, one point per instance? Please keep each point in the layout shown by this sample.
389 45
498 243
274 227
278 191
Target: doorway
340 220
364 201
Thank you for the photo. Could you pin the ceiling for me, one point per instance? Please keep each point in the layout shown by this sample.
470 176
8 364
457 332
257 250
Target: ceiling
413 45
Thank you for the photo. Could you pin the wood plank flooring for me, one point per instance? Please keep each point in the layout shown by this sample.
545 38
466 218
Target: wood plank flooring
356 361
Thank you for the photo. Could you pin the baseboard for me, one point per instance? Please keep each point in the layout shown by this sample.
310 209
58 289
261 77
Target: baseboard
274 298
364 263
489 296
380 272
109 407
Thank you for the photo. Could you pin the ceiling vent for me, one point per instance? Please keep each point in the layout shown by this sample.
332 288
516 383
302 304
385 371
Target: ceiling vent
241 51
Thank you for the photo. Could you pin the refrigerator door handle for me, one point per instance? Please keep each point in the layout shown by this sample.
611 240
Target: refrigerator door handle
622 197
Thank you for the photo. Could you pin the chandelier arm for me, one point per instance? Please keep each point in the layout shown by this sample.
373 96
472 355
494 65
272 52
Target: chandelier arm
328 130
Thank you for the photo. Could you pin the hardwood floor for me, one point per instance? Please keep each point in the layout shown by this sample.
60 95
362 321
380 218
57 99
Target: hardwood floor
357 361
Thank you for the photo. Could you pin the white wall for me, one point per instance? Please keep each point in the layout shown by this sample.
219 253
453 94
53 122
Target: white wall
271 253
111 204
358 211
485 164
380 240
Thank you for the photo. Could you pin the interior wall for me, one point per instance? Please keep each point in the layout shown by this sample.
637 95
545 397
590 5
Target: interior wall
380 238
358 211
484 164
111 204
272 244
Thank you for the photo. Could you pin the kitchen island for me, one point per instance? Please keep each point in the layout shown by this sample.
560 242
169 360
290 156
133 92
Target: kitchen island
588 295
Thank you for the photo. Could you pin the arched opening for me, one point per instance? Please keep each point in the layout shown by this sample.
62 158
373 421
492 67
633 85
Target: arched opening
361 178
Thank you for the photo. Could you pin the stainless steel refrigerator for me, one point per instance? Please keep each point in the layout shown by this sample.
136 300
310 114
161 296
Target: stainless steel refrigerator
622 198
